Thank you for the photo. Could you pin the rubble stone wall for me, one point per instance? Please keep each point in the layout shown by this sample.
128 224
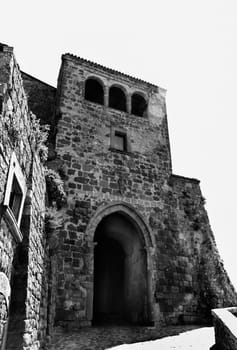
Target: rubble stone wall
96 175
7 248
13 120
41 101
23 259
37 286
190 276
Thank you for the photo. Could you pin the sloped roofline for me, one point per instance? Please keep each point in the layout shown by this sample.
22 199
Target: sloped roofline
40 81
6 48
109 70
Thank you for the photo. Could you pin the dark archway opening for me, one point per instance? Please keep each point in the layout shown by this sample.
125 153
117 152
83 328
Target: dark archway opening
120 279
109 281
94 91
117 99
139 105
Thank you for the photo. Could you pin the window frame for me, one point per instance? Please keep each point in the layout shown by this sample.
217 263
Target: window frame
124 134
14 173
123 137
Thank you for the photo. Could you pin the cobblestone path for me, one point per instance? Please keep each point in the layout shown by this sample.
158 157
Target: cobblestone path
101 338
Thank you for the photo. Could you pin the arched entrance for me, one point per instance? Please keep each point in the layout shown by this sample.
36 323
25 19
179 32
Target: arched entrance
120 271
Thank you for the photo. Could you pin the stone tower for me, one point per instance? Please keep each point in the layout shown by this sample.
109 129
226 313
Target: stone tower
113 139
134 234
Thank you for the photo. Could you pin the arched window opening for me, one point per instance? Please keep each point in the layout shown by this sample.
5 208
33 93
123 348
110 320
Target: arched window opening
117 99
94 91
139 105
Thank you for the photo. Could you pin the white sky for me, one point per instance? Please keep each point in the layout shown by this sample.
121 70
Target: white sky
185 46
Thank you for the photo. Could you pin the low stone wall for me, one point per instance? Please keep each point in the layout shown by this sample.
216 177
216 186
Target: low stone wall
225 323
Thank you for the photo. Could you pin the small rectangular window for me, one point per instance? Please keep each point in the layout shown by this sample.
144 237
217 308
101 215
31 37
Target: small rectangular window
15 190
120 141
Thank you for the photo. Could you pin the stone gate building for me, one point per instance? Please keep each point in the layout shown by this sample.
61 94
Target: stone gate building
130 242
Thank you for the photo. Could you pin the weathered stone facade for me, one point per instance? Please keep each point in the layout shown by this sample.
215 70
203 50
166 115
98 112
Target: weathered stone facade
137 183
132 242
23 249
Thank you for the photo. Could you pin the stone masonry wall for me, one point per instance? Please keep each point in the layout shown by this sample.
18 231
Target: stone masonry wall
178 250
190 276
96 176
11 121
36 319
22 261
41 101
7 248
41 97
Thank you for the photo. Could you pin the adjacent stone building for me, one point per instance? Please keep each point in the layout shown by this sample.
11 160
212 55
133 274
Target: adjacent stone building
23 250
130 242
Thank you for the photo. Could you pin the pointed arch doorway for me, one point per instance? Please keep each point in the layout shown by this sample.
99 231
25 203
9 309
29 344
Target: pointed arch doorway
120 271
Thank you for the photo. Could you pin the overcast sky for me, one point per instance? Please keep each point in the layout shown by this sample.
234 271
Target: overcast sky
185 46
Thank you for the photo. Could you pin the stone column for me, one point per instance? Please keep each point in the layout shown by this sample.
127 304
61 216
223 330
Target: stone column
90 285
106 96
129 103
150 288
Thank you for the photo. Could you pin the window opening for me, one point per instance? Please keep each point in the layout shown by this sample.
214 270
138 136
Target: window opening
15 198
15 194
117 99
139 105
120 141
94 91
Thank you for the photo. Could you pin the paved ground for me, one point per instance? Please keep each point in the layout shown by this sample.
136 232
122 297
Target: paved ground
135 338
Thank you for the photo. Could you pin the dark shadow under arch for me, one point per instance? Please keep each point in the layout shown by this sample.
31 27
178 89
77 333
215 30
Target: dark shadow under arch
147 244
117 99
94 91
120 272
125 209
139 105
